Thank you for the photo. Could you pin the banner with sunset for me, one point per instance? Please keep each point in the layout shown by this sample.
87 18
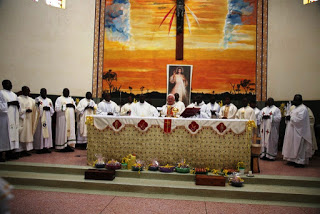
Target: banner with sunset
221 48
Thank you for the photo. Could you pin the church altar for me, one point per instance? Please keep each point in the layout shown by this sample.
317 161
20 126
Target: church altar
213 143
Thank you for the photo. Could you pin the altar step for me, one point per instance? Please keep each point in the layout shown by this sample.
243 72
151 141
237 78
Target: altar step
295 191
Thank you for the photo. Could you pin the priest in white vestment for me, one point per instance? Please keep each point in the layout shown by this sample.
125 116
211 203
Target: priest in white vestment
214 107
246 112
270 118
179 104
256 130
28 121
170 109
43 135
204 109
297 145
229 110
65 124
126 108
84 108
143 108
9 119
107 106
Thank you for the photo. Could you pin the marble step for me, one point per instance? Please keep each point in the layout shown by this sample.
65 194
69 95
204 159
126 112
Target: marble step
297 181
256 192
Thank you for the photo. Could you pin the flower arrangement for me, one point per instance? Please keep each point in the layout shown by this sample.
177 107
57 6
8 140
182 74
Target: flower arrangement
154 165
236 180
201 170
99 163
183 167
241 165
138 166
113 165
167 168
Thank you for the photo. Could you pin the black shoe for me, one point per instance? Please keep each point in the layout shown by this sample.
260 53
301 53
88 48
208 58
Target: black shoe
290 163
40 151
69 149
299 165
269 159
46 150
264 158
25 154
2 160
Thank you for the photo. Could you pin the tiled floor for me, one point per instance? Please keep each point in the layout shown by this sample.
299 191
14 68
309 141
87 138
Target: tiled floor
278 167
33 202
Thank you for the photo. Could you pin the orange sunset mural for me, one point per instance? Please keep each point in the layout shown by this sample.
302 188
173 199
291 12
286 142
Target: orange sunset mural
221 48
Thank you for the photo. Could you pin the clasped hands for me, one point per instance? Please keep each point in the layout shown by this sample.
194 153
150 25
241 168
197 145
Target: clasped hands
288 117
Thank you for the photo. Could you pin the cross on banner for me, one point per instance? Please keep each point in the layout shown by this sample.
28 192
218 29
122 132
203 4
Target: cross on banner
179 29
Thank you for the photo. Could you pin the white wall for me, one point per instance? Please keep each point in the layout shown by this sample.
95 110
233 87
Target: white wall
293 49
43 46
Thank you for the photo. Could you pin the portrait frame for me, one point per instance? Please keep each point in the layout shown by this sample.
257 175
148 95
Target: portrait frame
179 80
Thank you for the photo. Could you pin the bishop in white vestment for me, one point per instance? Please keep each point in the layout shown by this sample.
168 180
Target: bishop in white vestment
297 145
9 118
84 108
170 109
107 106
214 107
43 135
269 130
228 111
65 123
28 120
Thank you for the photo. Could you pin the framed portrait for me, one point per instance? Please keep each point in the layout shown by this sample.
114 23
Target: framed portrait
179 81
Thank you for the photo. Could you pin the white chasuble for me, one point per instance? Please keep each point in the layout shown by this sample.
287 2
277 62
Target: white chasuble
297 144
228 111
246 113
65 123
43 134
269 130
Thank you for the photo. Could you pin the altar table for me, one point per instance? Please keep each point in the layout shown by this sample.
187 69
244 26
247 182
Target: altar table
213 143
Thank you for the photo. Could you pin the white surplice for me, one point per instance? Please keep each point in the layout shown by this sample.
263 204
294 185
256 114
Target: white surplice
229 110
28 122
269 130
4 123
314 139
82 113
43 134
246 113
11 114
105 107
214 107
297 144
65 123
144 110
125 109
204 110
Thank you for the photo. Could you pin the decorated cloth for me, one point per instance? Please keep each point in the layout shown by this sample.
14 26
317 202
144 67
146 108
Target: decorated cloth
65 123
204 142
126 109
28 122
214 107
246 113
43 134
269 130
228 111
297 144
106 107
204 110
144 110
82 113
9 121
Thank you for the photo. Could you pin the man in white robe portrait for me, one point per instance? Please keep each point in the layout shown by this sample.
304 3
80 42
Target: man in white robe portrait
43 135
229 110
107 106
270 118
143 108
204 109
65 123
126 108
214 107
9 122
28 121
246 112
84 108
297 145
